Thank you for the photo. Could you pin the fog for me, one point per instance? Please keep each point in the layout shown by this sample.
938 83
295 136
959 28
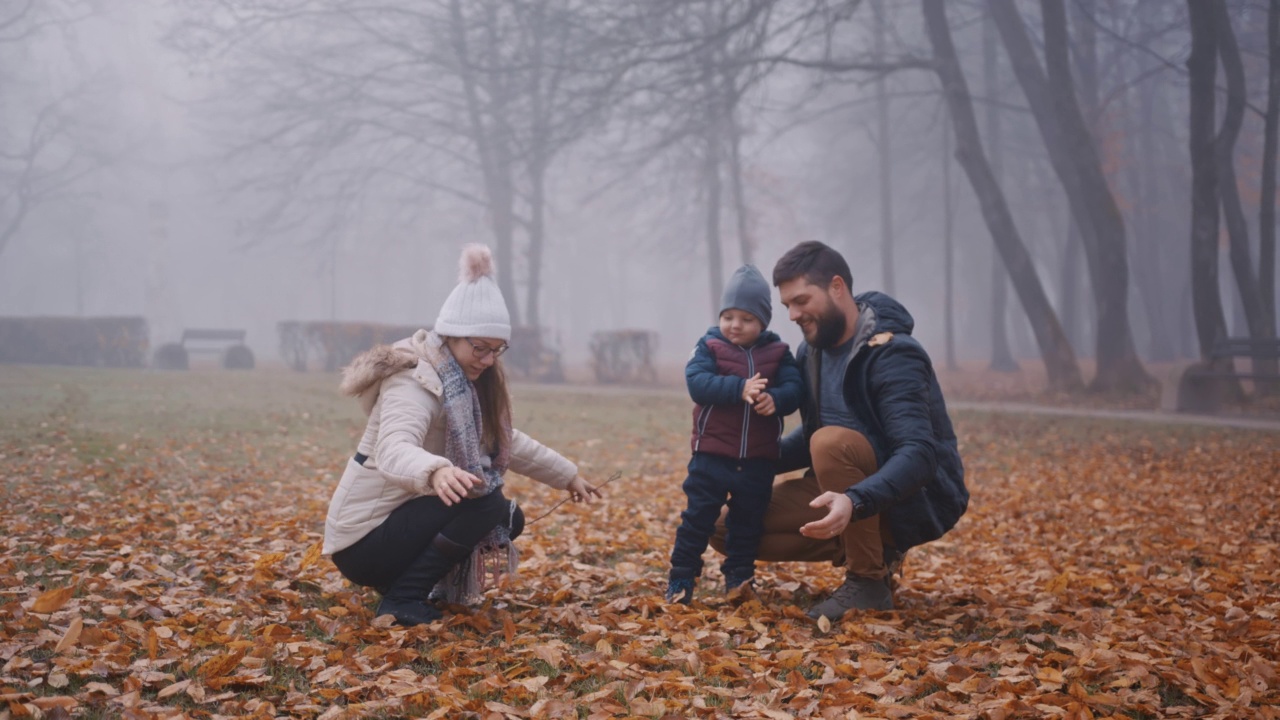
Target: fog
239 164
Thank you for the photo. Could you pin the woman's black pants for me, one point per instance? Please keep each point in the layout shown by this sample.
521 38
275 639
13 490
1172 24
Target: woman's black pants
381 557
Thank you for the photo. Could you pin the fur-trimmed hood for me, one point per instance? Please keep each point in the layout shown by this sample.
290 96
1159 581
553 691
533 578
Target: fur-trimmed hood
362 378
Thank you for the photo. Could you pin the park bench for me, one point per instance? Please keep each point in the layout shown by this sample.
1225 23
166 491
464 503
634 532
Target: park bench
1206 386
229 344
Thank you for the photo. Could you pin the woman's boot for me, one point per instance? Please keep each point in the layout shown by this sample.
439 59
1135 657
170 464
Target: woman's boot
405 598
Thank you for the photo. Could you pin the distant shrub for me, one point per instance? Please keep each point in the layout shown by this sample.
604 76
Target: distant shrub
334 344
624 356
92 341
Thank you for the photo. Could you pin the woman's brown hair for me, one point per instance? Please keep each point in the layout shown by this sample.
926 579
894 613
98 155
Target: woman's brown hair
495 405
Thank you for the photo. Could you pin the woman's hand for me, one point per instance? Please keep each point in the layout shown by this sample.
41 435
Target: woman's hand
451 483
582 491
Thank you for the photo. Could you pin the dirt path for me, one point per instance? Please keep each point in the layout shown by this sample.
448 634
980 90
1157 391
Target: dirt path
1143 416
1147 416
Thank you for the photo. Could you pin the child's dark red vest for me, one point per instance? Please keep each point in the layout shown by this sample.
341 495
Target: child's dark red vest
737 431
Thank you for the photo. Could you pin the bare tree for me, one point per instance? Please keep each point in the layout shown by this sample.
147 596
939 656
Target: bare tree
1001 356
392 99
948 245
1059 359
1075 160
1260 317
696 63
1202 66
44 153
884 149
1267 206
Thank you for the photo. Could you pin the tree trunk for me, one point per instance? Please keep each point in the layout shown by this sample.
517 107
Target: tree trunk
885 155
1259 319
1086 56
1202 69
493 147
1130 177
1001 355
1267 204
746 245
536 163
1060 361
78 253
1069 293
537 239
948 245
1075 160
713 187
1149 275
1267 209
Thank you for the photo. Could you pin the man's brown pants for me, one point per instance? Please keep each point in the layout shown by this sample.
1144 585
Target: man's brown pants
842 458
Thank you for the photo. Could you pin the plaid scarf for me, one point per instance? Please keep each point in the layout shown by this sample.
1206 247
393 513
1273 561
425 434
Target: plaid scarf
495 554
463 421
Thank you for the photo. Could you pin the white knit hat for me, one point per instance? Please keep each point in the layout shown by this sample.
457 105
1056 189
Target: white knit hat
475 308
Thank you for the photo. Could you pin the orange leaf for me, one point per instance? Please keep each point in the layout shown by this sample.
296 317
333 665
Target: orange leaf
70 637
312 555
508 628
53 600
220 665
1059 584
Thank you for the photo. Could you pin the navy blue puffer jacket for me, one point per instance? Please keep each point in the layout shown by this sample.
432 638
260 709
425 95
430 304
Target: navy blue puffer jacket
892 389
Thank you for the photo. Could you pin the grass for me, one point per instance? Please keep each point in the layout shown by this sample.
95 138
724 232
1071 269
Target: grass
199 474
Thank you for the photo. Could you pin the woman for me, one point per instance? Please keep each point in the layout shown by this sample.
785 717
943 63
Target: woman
425 485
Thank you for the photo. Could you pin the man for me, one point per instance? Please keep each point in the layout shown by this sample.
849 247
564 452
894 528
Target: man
884 471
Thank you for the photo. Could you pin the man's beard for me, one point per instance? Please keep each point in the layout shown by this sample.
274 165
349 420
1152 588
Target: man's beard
829 327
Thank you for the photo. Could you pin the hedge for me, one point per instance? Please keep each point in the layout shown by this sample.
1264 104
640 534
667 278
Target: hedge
333 344
92 341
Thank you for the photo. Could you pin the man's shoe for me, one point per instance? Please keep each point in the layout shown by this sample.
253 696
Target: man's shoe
680 591
857 593
409 612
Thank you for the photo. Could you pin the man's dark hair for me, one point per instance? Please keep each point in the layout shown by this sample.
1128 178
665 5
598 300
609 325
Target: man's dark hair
817 262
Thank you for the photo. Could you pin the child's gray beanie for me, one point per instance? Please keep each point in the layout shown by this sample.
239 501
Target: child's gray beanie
748 290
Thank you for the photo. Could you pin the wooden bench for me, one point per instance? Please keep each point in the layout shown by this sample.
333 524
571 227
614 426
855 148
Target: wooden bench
1206 386
217 340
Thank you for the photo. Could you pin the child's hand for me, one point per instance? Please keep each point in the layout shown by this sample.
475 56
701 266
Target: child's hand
764 404
752 388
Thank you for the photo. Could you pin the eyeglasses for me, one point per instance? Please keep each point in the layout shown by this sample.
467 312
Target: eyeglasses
480 350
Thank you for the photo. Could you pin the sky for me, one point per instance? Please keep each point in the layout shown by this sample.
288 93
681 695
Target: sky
163 228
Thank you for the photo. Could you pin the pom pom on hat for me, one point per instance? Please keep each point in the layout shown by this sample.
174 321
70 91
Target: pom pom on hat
476 262
476 307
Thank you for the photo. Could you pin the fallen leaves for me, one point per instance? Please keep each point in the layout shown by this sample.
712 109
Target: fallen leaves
53 600
1102 571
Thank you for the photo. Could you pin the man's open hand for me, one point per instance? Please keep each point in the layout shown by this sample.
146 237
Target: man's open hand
839 511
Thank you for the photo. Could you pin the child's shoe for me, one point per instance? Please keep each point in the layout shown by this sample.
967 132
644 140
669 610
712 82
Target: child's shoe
680 590
734 582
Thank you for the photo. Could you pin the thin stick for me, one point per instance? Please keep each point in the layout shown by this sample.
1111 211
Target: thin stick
612 477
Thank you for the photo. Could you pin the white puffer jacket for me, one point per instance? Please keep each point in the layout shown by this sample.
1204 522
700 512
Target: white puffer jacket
404 441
